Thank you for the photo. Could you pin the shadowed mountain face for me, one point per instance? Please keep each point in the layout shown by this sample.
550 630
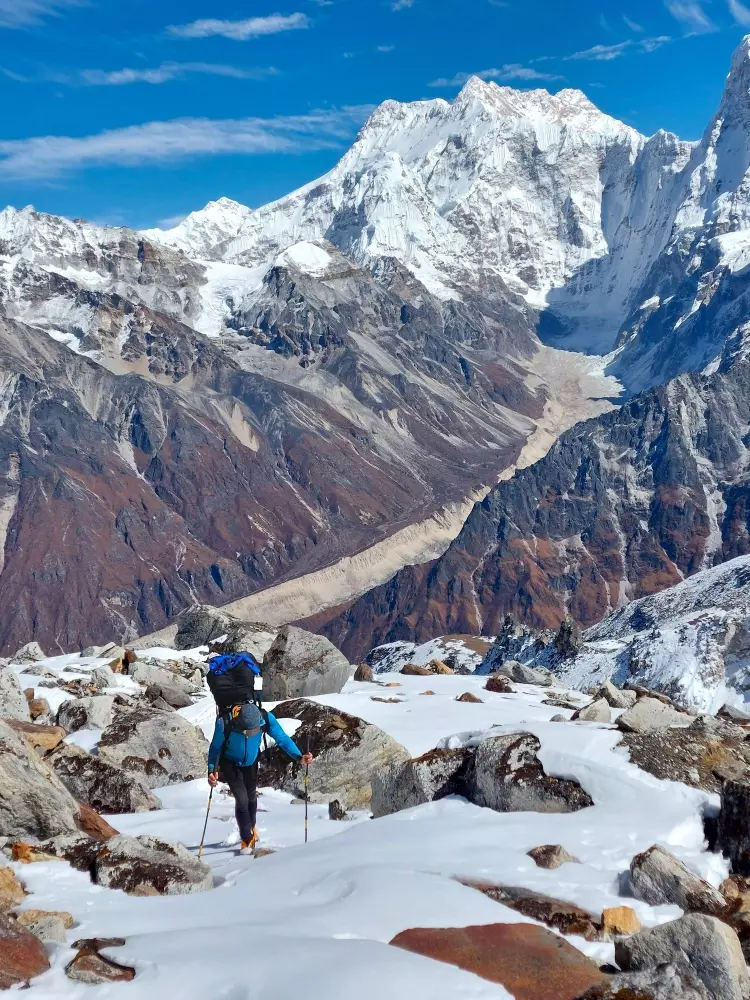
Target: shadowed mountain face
621 507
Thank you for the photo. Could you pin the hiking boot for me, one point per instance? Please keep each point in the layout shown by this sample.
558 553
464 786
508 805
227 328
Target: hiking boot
246 847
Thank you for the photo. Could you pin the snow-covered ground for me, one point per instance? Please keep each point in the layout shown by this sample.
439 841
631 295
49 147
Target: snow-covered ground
314 920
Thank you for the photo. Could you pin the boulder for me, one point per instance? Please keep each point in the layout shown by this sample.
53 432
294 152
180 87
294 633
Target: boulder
531 962
414 670
94 825
551 856
348 751
11 890
619 921
567 918
469 698
94 712
561 703
22 956
506 775
498 684
733 835
336 812
657 878
410 783
690 755
39 736
202 624
364 673
90 967
157 675
301 664
29 653
33 800
438 667
100 784
13 703
146 866
160 748
663 983
615 697
651 714
597 711
697 945
39 708
47 926
168 696
522 674
27 918
103 677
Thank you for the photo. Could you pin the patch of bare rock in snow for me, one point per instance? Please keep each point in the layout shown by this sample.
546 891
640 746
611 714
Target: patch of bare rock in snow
516 829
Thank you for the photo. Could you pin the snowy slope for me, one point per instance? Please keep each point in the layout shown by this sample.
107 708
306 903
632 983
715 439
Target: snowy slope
317 918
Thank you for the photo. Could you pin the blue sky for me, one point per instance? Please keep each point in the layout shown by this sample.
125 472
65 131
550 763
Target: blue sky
137 112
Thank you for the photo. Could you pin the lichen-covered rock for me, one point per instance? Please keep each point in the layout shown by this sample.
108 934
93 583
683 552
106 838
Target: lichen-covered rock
616 697
100 784
567 918
13 703
662 983
22 956
158 747
410 783
692 755
202 624
657 878
33 800
697 945
348 752
506 775
29 653
143 866
301 664
94 712
651 713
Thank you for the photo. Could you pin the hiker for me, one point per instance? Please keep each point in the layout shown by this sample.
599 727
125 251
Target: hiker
241 724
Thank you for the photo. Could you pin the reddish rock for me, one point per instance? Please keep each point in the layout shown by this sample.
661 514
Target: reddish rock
499 685
90 967
567 918
41 737
530 962
22 956
472 699
90 822
412 670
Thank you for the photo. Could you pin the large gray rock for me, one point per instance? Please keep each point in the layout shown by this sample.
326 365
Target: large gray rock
348 751
651 714
301 664
664 983
146 866
13 704
597 711
149 674
93 712
202 624
101 785
161 748
103 677
33 800
696 945
506 775
29 653
657 877
616 697
522 674
432 776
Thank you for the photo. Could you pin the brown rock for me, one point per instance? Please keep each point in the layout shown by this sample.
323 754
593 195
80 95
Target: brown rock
22 956
28 694
567 918
91 823
11 890
427 692
467 696
691 755
394 684
499 684
263 852
618 921
529 961
39 708
363 673
90 967
438 667
386 701
336 811
27 854
43 737
412 670
551 856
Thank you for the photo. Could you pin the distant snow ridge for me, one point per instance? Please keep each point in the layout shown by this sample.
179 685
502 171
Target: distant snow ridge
691 642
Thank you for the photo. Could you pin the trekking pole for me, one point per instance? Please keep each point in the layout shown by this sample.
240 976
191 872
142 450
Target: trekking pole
307 791
205 825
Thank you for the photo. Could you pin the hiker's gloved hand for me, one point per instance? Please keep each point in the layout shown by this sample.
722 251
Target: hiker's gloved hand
213 779
307 758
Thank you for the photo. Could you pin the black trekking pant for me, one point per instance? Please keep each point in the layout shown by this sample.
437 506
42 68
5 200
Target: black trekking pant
243 784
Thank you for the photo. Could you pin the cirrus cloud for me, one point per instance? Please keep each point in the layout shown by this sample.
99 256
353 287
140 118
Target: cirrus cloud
504 74
169 71
23 13
241 31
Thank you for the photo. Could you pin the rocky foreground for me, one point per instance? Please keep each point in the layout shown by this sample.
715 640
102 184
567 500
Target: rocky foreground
530 840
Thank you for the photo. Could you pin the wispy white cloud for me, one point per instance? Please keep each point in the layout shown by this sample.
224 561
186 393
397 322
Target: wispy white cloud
633 25
169 71
241 31
22 13
606 53
740 13
691 14
52 156
384 48
402 4
504 74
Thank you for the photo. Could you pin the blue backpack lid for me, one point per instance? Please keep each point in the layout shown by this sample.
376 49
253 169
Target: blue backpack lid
225 662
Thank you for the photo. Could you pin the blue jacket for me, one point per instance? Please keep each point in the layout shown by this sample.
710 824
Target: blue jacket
243 750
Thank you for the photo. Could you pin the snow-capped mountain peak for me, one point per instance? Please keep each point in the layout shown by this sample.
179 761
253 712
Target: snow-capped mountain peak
202 232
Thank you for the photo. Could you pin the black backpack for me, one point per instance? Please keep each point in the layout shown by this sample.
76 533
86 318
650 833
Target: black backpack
231 679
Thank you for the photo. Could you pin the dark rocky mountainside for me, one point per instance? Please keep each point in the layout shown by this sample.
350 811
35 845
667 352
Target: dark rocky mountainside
623 506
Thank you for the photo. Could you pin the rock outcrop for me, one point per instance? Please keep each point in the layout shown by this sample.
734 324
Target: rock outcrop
86 713
410 783
100 784
658 878
159 748
147 866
